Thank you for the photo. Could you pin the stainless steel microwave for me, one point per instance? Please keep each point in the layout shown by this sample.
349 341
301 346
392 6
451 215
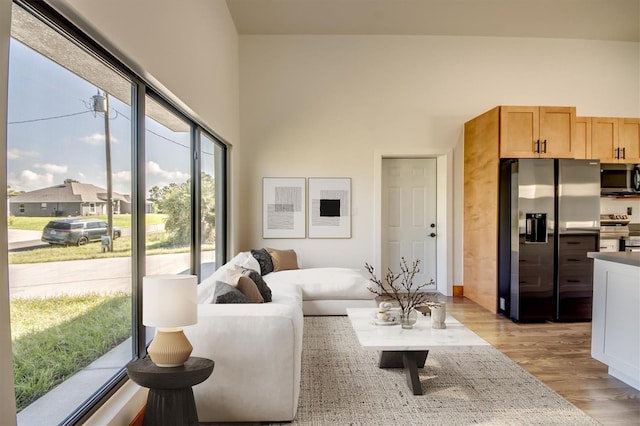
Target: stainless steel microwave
620 179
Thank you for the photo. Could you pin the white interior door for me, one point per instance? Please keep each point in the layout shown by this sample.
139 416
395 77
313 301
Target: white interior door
409 226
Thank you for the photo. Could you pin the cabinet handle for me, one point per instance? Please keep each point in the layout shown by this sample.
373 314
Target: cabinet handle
573 242
537 148
617 156
573 281
624 154
544 146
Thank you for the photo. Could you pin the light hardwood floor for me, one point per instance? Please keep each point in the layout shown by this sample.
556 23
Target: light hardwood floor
558 354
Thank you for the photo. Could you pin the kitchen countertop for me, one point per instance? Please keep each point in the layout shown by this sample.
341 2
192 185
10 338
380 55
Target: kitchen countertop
632 258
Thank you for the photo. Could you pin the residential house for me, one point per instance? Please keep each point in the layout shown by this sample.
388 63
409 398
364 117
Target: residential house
332 91
67 199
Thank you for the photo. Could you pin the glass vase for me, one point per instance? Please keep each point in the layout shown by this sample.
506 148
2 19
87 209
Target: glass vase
408 318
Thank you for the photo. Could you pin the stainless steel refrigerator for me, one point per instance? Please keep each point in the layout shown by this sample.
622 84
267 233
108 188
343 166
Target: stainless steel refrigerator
549 219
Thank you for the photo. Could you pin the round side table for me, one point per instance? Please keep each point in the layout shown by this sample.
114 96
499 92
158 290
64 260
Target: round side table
170 400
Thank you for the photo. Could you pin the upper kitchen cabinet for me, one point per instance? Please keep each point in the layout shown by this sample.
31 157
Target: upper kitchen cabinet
538 132
629 140
582 145
615 140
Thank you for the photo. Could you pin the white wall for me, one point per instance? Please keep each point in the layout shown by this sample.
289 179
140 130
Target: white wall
7 397
322 105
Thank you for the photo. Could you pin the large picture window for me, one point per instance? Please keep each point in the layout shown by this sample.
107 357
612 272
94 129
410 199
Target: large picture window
78 195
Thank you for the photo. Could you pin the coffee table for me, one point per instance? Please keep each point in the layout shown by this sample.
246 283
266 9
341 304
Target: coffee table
408 348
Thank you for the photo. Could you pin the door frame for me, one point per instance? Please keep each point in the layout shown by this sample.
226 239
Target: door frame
444 213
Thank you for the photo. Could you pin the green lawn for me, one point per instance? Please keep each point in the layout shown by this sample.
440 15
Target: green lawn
121 220
157 243
54 338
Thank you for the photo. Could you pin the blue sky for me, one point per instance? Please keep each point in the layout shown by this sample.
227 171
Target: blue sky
45 153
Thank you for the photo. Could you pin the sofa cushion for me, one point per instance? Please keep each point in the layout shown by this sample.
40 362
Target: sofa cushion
264 259
225 293
283 260
324 283
264 289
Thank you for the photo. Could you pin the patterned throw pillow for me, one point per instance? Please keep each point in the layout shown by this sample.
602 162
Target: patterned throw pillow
264 289
264 259
226 293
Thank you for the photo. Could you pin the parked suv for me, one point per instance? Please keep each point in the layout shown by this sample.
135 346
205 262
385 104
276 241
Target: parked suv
76 231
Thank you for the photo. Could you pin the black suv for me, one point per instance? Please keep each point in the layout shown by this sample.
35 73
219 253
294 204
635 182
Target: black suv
76 231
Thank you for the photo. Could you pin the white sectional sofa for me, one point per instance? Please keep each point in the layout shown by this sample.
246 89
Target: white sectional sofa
257 348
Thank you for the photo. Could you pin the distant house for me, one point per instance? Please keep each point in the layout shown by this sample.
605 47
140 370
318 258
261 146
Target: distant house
68 199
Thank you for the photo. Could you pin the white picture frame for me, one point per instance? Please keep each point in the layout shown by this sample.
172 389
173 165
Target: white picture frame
329 207
283 207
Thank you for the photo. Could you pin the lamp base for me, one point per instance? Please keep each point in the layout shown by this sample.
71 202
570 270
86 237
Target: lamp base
169 348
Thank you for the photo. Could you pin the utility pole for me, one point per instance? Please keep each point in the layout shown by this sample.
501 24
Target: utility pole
101 104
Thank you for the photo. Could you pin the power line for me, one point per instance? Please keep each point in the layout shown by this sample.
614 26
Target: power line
84 112
48 118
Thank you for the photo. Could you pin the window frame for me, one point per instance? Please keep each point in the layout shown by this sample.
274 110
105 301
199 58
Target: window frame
64 20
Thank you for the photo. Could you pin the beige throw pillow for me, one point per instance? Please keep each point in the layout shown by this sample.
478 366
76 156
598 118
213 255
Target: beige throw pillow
245 284
283 260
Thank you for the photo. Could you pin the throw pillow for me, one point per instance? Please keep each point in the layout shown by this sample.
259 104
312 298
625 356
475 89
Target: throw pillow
224 293
264 289
249 289
283 260
264 259
237 279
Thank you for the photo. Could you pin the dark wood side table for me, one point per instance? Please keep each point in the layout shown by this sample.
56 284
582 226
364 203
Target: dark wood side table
170 400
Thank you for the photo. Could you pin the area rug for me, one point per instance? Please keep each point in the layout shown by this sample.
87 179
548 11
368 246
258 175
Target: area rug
474 385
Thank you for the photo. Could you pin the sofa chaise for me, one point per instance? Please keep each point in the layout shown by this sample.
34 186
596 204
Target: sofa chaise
257 347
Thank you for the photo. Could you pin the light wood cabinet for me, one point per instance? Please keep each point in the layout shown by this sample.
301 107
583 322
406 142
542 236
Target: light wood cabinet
582 145
604 139
615 140
480 236
629 140
537 132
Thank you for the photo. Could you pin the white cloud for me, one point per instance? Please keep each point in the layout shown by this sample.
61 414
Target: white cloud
52 168
123 176
15 154
97 139
154 168
28 180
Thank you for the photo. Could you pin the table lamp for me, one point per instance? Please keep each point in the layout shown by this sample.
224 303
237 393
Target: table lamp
169 302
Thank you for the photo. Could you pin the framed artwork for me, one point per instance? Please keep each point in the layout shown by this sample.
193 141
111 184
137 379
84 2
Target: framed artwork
283 208
329 207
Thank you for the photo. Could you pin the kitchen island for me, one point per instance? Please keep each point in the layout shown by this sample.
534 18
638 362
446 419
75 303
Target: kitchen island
615 336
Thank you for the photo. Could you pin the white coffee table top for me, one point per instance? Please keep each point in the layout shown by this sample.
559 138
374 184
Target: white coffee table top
421 337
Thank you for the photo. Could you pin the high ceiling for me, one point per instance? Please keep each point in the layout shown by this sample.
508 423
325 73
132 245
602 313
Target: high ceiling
617 20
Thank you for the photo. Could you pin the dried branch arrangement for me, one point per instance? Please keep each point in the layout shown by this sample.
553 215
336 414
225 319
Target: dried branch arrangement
399 287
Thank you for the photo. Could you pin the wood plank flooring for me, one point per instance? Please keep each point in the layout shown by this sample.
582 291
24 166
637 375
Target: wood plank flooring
559 355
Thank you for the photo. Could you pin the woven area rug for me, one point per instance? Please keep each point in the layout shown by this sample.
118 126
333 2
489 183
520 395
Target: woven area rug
342 385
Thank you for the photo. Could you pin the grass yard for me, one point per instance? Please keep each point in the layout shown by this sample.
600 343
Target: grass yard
54 338
121 220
